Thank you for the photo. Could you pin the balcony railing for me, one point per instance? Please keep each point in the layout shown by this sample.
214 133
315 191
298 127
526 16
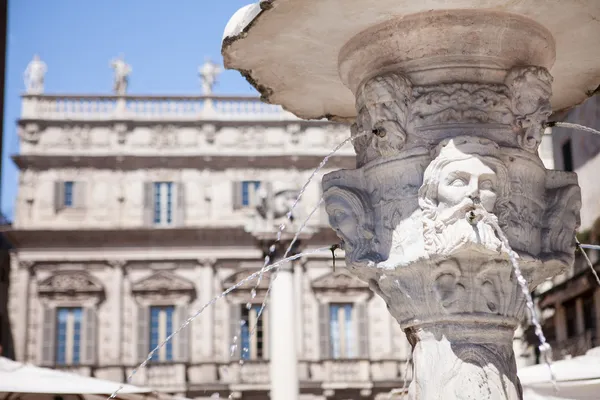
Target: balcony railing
180 108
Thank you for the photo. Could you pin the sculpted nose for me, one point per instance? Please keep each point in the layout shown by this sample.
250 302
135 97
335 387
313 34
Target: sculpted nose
473 191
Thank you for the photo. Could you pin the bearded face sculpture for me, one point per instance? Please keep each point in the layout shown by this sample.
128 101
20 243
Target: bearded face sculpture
463 175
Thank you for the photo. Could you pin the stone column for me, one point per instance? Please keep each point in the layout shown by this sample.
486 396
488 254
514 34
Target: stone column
434 144
298 310
282 333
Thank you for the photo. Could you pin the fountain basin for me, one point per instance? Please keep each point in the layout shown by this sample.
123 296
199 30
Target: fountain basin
310 55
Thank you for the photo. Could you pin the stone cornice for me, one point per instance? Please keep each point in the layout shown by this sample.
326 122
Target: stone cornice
38 162
141 237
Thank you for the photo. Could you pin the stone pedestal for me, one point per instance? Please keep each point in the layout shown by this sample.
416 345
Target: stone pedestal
450 107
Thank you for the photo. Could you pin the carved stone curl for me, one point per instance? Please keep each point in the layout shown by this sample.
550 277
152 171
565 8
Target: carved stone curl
382 105
530 88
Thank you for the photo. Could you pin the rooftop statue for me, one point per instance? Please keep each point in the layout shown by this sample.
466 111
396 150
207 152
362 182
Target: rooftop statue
34 75
208 73
121 78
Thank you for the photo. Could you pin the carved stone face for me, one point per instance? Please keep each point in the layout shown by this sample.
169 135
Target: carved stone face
464 182
465 172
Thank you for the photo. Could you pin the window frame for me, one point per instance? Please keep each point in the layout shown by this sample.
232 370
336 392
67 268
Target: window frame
166 353
77 344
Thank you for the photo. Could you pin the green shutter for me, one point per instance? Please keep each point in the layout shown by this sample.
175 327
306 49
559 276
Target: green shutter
324 334
236 188
88 344
59 195
181 340
362 324
235 315
180 211
148 203
48 336
79 194
143 332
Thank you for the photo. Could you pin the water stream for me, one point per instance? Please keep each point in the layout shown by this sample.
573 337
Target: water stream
582 248
545 349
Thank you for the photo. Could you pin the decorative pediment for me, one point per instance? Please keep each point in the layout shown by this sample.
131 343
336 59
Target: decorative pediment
338 281
251 283
163 281
70 283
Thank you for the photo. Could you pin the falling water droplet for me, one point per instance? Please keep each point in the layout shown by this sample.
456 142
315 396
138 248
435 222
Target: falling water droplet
242 322
248 306
241 362
233 349
272 248
253 293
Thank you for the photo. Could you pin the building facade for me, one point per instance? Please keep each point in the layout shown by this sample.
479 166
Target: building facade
570 303
135 211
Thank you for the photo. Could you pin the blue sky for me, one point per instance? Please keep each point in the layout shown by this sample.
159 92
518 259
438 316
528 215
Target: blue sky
164 41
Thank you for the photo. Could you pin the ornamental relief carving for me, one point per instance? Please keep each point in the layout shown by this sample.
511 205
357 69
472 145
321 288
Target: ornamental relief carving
163 281
29 133
70 285
338 281
460 103
392 113
382 104
530 90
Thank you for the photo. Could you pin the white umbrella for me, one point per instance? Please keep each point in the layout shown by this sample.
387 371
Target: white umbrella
577 378
27 379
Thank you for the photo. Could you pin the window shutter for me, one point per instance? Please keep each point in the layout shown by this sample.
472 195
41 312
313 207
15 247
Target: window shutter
235 315
362 325
48 336
266 331
148 203
237 195
79 195
143 320
181 340
180 212
324 334
88 344
59 195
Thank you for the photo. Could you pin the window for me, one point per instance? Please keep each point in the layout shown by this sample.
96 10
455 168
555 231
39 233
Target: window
567 156
245 194
161 326
68 336
341 331
249 192
163 203
252 347
68 194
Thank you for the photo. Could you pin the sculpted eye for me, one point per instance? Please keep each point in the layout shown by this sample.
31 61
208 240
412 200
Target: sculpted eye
487 185
458 182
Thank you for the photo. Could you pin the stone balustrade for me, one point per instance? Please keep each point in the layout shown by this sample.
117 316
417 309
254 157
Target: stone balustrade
150 108
256 373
